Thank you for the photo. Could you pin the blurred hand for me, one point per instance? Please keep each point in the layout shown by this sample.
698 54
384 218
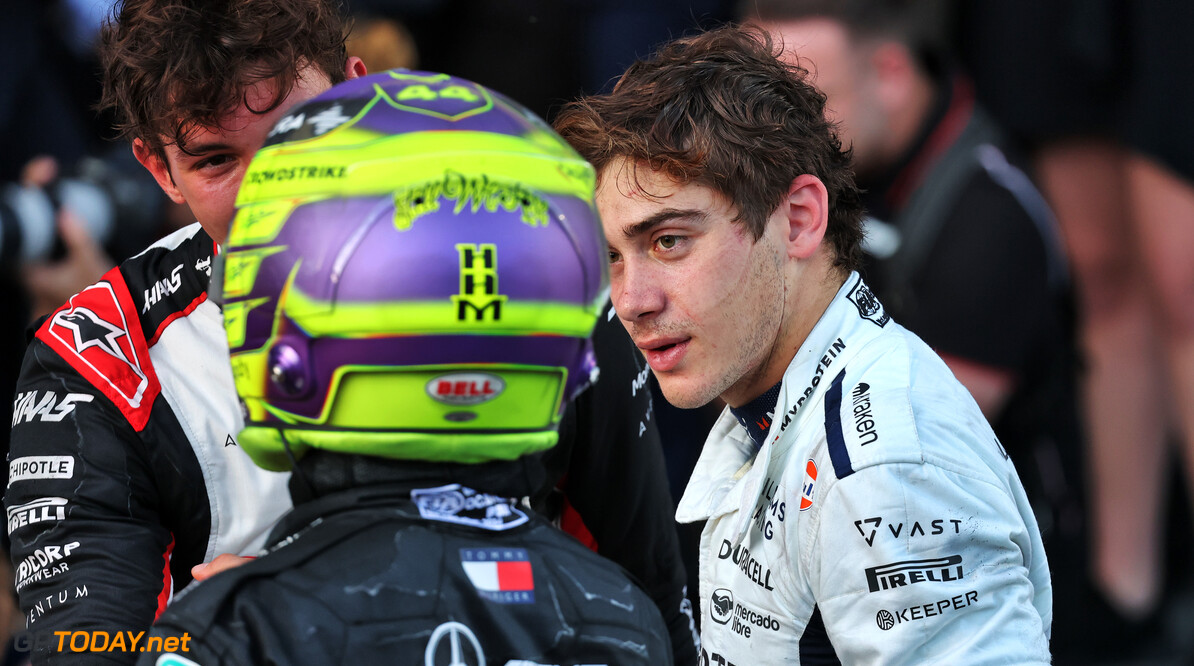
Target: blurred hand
223 562
39 171
50 283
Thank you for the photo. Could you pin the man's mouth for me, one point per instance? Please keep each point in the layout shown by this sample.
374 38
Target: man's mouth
664 354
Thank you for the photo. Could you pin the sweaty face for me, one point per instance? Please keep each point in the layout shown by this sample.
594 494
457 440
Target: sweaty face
208 175
701 299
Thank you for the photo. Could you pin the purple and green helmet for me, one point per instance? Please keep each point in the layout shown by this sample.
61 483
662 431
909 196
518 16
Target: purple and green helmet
414 270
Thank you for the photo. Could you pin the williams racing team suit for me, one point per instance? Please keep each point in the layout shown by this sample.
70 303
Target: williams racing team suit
388 563
880 522
124 469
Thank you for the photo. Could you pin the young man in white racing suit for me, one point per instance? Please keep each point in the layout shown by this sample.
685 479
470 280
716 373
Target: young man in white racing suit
859 508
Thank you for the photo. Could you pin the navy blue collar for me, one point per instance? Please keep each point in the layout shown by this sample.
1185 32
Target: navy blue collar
756 416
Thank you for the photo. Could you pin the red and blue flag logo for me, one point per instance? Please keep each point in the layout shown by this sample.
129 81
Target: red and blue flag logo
501 575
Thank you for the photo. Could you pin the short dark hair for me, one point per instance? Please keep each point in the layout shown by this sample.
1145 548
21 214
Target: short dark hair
721 109
171 66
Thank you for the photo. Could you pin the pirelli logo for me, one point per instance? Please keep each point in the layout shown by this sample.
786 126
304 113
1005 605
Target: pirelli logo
910 572
478 283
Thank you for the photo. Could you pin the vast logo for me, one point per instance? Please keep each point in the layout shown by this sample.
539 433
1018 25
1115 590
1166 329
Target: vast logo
478 283
455 503
868 528
722 604
465 388
26 407
910 572
38 511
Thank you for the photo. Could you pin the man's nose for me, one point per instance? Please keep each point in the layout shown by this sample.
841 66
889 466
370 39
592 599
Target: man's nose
638 291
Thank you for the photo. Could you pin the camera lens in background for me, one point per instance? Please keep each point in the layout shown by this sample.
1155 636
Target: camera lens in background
27 224
100 195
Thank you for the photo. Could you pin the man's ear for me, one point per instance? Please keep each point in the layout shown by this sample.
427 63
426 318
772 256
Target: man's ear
159 169
354 68
807 209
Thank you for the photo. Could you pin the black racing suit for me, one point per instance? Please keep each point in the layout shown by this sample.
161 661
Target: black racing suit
125 471
411 569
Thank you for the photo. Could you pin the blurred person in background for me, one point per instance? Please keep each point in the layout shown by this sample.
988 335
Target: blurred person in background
126 436
961 247
1099 90
409 487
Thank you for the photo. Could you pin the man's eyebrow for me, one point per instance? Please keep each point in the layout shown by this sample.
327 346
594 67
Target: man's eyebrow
663 216
200 148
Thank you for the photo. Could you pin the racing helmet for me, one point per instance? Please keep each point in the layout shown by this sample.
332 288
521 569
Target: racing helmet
413 272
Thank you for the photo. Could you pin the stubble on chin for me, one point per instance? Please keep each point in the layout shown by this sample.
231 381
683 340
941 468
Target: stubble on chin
762 319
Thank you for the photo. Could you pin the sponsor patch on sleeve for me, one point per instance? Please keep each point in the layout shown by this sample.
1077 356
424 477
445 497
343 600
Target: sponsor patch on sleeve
501 575
869 307
97 332
45 406
28 468
41 510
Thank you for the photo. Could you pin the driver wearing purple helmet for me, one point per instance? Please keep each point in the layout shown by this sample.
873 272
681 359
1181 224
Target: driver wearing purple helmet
409 288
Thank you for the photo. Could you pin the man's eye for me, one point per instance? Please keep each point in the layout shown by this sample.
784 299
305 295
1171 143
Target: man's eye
667 242
613 257
213 161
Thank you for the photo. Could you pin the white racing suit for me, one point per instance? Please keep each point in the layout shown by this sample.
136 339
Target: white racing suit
881 522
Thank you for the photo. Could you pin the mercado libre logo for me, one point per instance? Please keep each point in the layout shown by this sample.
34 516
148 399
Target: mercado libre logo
722 605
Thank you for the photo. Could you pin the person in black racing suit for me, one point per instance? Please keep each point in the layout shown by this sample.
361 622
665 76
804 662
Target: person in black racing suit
126 466
413 421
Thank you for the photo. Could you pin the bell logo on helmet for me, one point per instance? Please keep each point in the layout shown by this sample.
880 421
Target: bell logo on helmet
465 388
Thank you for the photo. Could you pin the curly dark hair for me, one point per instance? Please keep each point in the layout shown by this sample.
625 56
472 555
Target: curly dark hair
172 66
721 109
